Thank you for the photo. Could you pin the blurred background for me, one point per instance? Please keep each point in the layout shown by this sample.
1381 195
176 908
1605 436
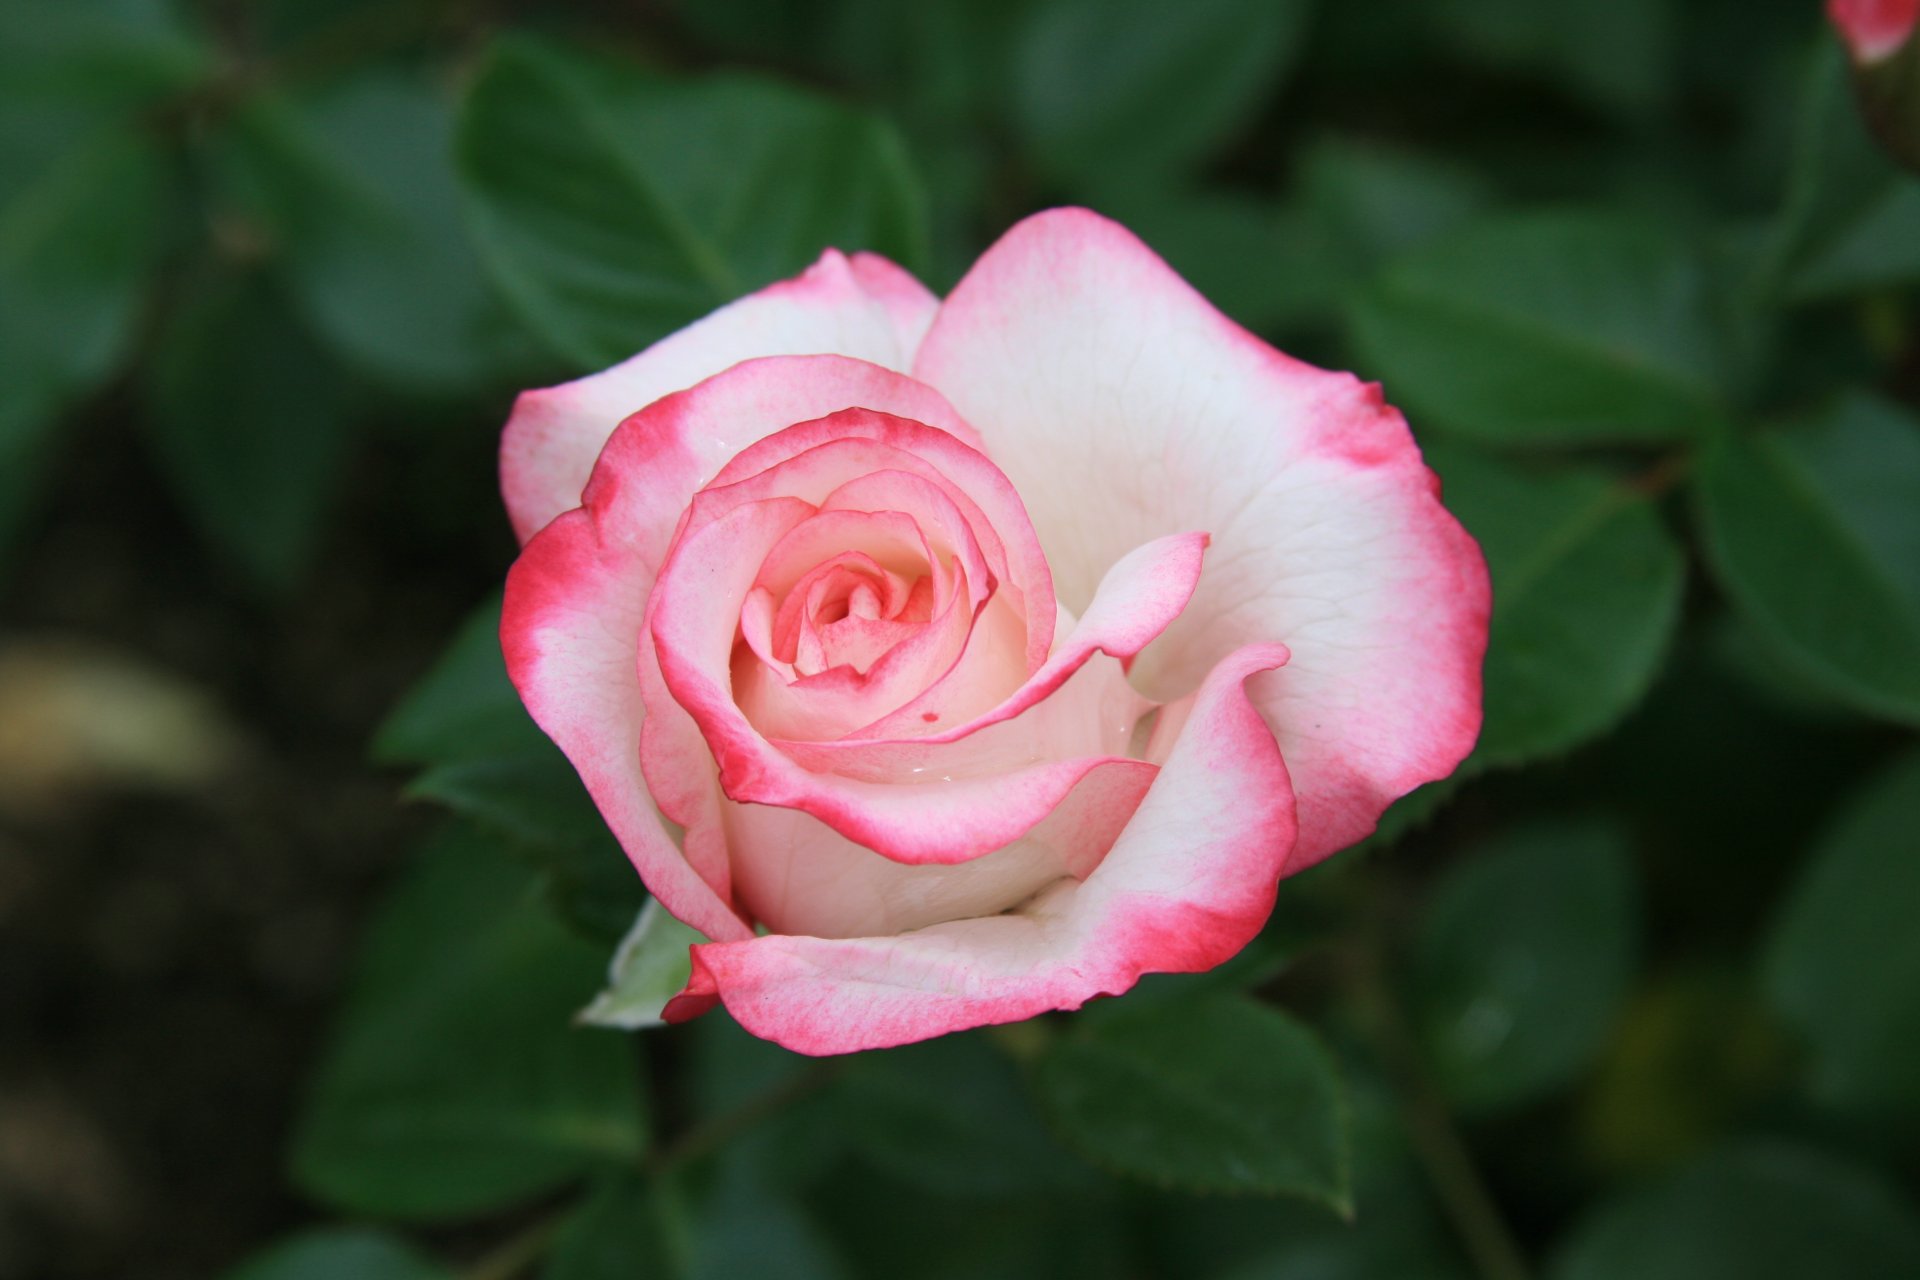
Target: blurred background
1637 994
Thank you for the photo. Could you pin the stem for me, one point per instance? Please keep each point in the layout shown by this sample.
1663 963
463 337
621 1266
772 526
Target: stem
517 1252
1450 1167
711 1135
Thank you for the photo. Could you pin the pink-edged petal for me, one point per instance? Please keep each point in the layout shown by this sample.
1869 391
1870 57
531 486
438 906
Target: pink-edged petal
548 449
910 305
1122 405
811 459
570 629
1187 883
830 702
1138 599
796 875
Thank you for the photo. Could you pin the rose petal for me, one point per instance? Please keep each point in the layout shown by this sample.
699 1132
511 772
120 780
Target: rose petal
574 614
796 875
1188 882
1122 405
867 309
945 799
810 459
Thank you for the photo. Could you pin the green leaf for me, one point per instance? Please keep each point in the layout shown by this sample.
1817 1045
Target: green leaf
1549 329
464 707
1586 592
340 1253
1751 1212
952 1117
615 205
1111 90
490 763
106 52
1618 55
455 1083
649 968
1523 960
354 190
83 204
1815 532
748 1229
79 208
1215 1094
1847 222
617 1233
1265 264
250 424
1843 962
1377 201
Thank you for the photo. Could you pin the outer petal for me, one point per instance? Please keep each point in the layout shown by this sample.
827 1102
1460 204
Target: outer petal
1189 881
867 308
658 458
574 614
796 875
1122 405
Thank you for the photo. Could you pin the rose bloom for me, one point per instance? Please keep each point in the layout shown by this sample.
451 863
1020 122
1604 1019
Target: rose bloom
1874 29
945 663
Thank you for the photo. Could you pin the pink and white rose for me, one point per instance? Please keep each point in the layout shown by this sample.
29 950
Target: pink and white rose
945 663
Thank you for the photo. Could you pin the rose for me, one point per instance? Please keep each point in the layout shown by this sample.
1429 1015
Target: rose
937 675
1879 35
1873 29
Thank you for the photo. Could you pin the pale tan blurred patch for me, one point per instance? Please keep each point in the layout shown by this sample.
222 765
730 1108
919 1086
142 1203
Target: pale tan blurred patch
78 718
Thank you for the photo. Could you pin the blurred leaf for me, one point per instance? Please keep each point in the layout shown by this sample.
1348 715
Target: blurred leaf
1377 201
616 1234
747 1229
1395 1232
79 209
615 205
463 707
249 424
354 188
951 1116
1693 1053
1843 963
728 1069
299 27
340 1253
1815 531
1523 960
1586 591
1548 329
490 763
1616 54
1266 265
537 802
649 968
1214 1094
1016 1237
109 52
1117 92
454 1083
1751 1212
1353 1254
1847 223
